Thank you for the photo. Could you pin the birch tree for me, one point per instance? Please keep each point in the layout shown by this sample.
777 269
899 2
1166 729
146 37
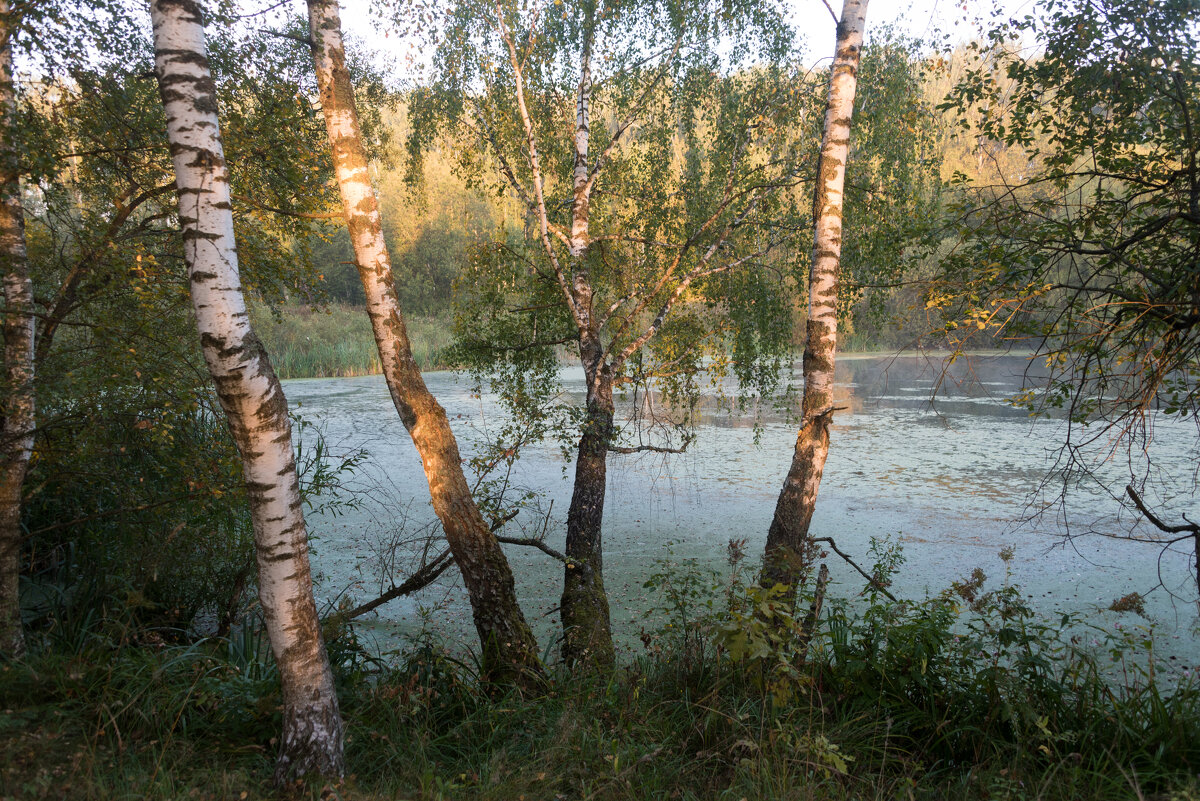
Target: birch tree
654 148
249 392
16 430
509 648
789 551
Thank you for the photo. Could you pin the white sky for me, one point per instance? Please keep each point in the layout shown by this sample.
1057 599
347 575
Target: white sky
956 20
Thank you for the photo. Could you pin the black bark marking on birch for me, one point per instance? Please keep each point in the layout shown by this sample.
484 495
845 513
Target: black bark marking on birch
192 9
189 57
789 551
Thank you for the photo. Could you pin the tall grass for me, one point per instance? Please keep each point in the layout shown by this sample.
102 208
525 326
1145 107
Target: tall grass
905 701
337 341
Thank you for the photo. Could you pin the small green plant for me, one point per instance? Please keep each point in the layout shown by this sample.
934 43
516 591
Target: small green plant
771 637
689 608
764 636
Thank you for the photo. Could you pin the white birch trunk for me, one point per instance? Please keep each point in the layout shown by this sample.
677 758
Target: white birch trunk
510 651
16 432
249 392
789 550
581 201
584 609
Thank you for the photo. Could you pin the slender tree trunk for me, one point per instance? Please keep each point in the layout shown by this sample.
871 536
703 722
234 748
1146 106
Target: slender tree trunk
16 432
581 199
249 392
587 631
509 648
789 549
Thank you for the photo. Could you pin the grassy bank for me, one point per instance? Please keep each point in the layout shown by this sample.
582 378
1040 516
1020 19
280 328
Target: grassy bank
337 342
962 696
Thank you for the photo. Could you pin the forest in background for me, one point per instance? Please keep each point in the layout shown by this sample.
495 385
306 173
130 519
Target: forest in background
994 199
433 221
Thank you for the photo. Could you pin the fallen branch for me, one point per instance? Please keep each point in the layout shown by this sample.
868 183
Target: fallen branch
541 545
645 449
874 582
425 576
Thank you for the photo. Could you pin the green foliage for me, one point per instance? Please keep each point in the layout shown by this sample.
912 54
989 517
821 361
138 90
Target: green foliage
697 223
1082 241
497 301
893 189
336 340
431 221
689 611
133 504
148 512
950 704
148 524
765 635
974 674
702 171
768 632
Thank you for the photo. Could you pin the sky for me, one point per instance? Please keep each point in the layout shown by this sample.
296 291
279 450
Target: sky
954 21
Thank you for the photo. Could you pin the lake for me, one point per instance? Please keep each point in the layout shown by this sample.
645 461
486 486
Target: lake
954 480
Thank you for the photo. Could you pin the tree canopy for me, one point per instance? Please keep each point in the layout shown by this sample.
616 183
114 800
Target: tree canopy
691 185
1083 241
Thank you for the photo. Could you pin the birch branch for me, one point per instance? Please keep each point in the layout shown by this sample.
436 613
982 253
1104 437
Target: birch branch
532 542
419 580
535 168
871 580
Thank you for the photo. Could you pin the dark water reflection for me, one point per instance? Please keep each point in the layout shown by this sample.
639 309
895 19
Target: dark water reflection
954 479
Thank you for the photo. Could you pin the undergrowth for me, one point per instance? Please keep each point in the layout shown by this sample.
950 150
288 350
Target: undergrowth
966 694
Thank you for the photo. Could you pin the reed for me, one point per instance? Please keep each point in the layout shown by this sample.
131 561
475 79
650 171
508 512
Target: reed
336 341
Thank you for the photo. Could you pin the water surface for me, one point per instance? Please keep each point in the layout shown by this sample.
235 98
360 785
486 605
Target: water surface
955 480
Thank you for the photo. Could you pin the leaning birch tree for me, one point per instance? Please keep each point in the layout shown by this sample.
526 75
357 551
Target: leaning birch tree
788 554
250 394
509 648
16 430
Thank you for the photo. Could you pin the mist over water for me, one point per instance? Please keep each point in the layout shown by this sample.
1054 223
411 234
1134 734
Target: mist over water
954 477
